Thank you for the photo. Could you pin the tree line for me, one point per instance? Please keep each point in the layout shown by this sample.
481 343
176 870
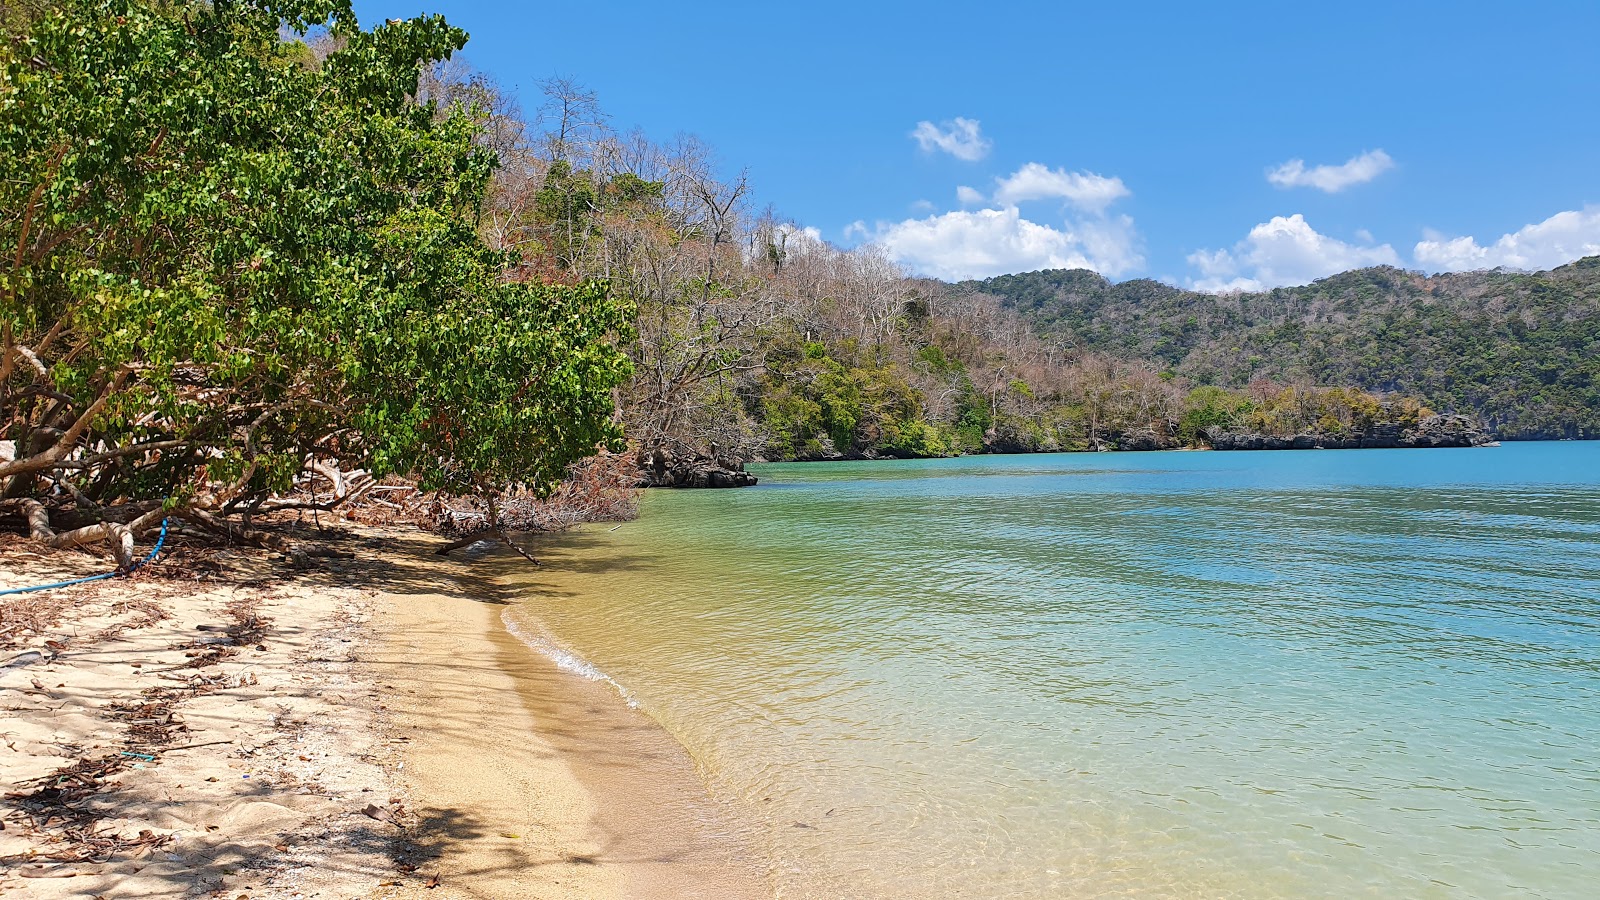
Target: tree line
757 340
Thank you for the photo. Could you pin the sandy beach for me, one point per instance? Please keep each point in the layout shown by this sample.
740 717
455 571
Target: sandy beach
363 728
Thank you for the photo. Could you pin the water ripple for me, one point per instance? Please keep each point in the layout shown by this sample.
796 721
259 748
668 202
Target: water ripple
1179 675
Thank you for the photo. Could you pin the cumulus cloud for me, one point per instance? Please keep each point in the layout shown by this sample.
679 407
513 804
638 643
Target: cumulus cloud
1331 179
1281 252
967 196
1560 239
985 242
961 138
1085 190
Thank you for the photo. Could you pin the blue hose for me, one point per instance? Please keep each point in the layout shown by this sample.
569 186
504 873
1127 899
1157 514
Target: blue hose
162 539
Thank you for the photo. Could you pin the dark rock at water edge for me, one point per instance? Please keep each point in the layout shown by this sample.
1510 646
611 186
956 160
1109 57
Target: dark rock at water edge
1447 430
663 468
1144 440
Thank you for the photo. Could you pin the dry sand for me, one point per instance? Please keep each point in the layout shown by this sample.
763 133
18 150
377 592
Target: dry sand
363 729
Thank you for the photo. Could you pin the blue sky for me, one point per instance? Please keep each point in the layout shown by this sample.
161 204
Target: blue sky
1139 139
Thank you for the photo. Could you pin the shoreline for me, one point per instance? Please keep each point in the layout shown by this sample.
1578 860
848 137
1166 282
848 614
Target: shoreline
1137 450
603 801
366 728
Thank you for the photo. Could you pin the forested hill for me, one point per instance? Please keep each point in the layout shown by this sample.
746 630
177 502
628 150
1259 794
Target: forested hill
1520 350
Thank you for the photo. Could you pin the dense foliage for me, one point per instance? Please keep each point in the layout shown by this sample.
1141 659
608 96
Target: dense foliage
1519 350
230 260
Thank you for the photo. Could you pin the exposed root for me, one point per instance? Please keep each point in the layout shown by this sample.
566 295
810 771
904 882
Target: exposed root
119 535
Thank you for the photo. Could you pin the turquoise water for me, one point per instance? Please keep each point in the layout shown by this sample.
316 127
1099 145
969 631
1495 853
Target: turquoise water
1294 674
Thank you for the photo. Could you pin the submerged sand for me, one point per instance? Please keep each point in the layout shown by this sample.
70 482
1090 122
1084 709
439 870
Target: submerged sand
364 729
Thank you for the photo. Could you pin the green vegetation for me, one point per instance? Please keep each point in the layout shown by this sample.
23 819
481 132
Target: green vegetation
1519 350
234 261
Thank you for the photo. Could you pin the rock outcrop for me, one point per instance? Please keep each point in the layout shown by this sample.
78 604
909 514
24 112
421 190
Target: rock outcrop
663 468
1145 439
1449 430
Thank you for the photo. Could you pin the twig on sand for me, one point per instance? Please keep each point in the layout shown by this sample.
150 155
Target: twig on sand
193 746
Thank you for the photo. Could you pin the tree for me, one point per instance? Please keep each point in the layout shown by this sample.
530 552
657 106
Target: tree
229 265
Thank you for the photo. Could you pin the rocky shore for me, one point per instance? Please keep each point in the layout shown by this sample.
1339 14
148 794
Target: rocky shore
665 469
1447 430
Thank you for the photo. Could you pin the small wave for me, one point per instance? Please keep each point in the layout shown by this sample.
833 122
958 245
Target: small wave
566 660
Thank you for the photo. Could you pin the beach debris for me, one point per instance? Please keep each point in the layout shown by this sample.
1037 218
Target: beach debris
432 882
193 746
378 813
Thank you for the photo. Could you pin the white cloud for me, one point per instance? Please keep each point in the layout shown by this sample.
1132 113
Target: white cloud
1560 239
802 239
1281 252
1331 179
922 206
1085 190
958 137
967 196
985 242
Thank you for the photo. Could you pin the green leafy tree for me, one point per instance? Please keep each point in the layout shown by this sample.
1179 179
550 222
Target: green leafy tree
226 261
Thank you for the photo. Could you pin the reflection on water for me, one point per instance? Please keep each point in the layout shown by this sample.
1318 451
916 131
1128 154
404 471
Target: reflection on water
1296 674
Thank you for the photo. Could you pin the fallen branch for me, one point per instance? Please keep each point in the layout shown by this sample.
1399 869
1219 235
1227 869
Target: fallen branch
244 533
493 535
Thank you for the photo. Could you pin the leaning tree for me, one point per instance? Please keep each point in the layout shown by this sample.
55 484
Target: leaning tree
227 262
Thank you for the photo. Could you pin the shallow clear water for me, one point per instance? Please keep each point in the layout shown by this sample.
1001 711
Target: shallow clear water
1294 674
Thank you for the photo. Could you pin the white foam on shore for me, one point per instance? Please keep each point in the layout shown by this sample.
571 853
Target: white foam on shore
543 642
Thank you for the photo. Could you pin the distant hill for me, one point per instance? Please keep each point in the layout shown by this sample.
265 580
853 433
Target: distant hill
1520 350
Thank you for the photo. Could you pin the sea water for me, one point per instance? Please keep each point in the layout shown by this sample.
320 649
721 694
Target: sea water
1327 674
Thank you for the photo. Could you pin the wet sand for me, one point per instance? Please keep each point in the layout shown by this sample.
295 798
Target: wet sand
527 777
